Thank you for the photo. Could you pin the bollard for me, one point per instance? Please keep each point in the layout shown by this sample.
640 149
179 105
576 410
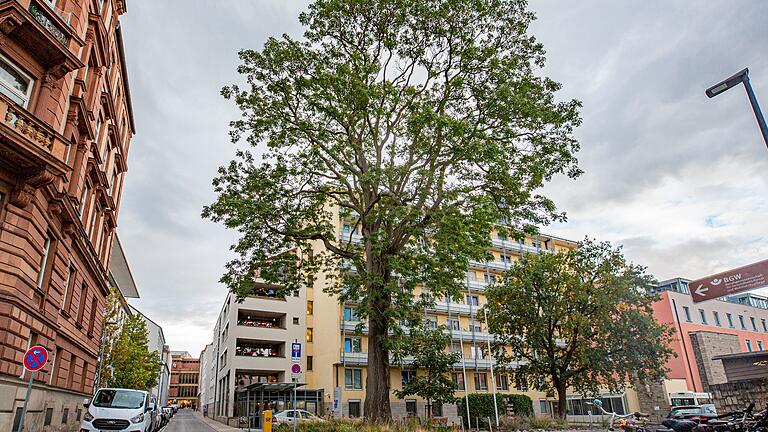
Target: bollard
267 423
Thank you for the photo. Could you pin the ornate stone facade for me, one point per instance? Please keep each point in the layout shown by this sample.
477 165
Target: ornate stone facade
65 127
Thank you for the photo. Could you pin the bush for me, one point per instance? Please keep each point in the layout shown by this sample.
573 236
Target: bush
520 404
481 407
547 423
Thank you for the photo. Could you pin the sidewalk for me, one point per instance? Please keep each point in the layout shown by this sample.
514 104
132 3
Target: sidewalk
217 426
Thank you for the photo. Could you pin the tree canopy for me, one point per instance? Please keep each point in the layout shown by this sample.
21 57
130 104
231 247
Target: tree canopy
422 123
583 319
133 365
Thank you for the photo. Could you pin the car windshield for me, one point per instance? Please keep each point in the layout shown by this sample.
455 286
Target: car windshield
127 399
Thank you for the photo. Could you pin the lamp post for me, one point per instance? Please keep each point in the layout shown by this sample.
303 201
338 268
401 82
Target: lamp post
742 77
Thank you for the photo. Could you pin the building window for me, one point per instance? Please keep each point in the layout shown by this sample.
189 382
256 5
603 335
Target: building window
753 322
687 313
81 304
489 278
521 383
410 408
65 416
352 344
309 335
749 345
14 83
717 318
454 324
353 379
350 314
310 307
473 300
481 381
310 361
458 380
741 322
765 326
759 345
68 285
44 262
354 408
437 410
730 320
406 376
703 316
92 318
48 417
502 382
295 320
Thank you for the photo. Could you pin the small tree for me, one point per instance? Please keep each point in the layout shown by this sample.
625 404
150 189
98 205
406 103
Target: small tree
428 348
582 319
113 313
134 366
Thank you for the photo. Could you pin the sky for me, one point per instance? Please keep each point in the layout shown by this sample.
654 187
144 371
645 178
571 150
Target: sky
677 179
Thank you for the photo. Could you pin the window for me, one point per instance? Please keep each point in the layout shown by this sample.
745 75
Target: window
68 284
489 278
309 335
476 352
458 380
92 318
354 408
703 316
431 322
759 345
502 382
81 305
295 320
350 314
481 381
14 83
505 259
473 300
521 383
717 318
48 416
310 307
749 345
44 262
437 410
544 406
753 322
730 319
410 408
687 313
65 416
406 376
501 236
310 362
352 344
454 324
741 322
765 326
353 379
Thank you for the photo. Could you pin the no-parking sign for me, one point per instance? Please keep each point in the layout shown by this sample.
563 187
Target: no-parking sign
35 358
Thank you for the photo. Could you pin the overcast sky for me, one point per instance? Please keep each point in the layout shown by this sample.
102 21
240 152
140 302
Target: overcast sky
678 179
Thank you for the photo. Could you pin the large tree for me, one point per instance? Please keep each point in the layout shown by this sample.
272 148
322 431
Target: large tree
424 123
582 319
134 366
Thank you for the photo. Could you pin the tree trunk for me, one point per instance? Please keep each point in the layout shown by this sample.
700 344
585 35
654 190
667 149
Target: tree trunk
377 407
561 401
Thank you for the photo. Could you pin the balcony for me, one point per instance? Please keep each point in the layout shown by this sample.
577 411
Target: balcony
259 348
495 265
260 319
351 237
514 246
361 359
467 335
41 32
30 149
476 285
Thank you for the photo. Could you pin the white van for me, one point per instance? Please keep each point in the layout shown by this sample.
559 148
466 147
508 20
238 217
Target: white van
116 409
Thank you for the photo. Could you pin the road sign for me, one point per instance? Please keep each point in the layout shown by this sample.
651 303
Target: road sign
295 371
35 358
296 352
730 282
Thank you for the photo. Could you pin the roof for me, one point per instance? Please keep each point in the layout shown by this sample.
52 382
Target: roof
745 355
121 271
184 354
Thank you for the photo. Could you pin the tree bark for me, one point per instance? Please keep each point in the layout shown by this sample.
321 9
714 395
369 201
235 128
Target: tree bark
377 408
562 407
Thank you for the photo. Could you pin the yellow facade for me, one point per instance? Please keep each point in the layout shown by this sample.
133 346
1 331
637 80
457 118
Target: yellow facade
467 326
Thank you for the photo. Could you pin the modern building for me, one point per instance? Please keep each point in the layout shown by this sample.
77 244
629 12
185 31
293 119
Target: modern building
65 129
252 342
207 383
157 343
705 332
185 375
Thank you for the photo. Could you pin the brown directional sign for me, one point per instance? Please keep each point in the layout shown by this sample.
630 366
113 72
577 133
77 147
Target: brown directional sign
730 282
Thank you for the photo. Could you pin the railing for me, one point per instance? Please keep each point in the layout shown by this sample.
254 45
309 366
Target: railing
476 284
345 237
465 335
33 129
41 16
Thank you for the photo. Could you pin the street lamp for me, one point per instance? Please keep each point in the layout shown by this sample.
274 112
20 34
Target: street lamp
742 77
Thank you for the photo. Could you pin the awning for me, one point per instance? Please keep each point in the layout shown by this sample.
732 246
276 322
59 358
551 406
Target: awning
274 386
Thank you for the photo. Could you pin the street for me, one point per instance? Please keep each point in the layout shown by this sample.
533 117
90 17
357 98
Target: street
186 421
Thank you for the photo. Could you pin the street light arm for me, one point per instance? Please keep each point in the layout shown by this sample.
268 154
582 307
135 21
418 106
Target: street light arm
728 83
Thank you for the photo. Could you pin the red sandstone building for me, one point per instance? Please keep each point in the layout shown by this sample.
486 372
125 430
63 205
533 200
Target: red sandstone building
185 376
65 129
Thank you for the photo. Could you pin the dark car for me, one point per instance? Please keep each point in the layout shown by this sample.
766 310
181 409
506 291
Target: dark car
699 413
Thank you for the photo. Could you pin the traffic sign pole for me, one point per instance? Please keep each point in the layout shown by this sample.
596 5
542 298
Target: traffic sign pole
26 401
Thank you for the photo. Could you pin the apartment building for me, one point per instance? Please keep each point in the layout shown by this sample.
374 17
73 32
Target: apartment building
251 340
185 376
65 129
207 370
704 331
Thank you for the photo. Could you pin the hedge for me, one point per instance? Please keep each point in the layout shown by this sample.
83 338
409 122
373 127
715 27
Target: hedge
481 407
520 404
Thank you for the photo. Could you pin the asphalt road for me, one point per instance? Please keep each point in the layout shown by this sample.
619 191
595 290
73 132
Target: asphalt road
186 421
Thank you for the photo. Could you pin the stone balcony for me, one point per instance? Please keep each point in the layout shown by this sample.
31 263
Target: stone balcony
30 149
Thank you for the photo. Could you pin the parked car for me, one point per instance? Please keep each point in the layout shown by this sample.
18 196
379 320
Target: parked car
700 413
302 416
117 409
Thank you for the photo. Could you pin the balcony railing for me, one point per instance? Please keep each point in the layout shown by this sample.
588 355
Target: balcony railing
361 359
459 335
36 138
41 16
